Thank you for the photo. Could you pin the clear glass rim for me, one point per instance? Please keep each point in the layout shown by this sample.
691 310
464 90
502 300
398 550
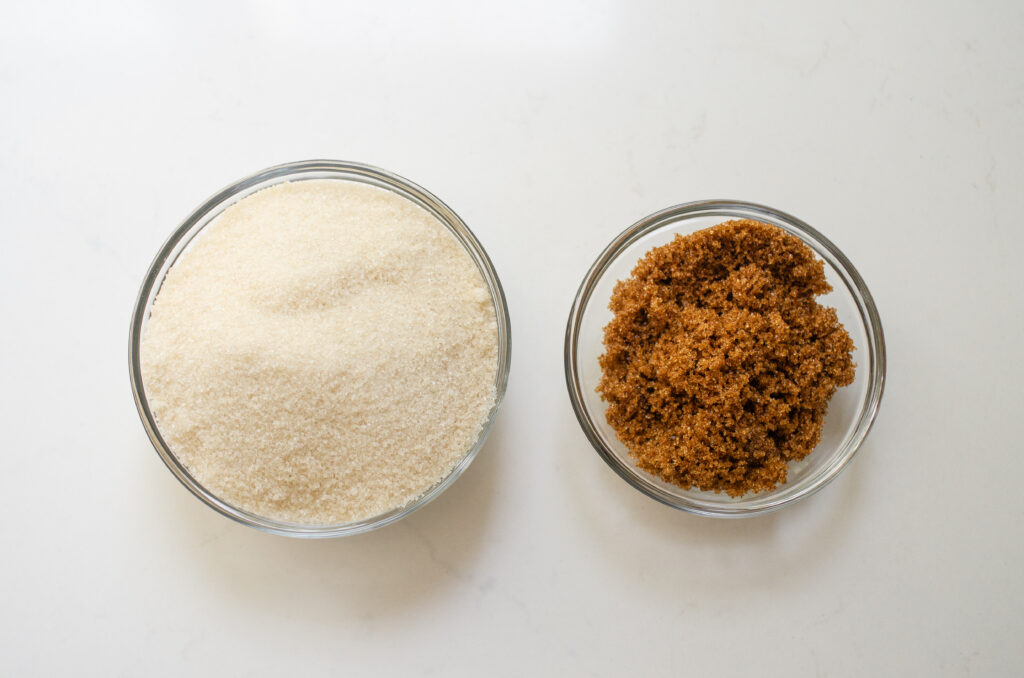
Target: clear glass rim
312 169
823 247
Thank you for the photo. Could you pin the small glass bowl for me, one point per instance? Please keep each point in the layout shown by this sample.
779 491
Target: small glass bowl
207 212
851 410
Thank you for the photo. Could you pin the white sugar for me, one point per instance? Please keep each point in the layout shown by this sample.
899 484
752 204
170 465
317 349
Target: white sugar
324 352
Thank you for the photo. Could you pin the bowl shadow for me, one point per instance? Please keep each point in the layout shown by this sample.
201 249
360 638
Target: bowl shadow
377 574
736 555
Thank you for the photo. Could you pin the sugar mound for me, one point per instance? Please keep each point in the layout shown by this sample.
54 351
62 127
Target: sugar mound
323 352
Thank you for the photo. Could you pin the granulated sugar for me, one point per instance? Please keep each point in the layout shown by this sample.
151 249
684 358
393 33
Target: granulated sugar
324 352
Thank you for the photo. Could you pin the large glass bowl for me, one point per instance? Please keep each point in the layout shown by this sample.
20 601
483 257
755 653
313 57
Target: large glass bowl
207 212
850 413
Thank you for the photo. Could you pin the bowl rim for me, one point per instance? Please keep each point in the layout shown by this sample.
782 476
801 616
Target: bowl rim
205 214
823 247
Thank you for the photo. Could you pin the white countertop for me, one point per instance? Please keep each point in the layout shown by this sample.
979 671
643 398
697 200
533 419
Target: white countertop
897 129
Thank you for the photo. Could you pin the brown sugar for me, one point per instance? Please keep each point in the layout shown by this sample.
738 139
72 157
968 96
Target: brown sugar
719 362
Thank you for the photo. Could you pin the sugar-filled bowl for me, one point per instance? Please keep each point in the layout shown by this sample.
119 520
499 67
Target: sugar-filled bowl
185 237
851 411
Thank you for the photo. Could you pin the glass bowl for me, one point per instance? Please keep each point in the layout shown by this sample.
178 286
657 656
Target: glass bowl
851 410
207 212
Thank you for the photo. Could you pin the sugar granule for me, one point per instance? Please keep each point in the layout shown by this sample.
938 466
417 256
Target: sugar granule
325 351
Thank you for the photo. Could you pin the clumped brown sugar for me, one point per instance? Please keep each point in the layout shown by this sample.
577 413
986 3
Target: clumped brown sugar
719 362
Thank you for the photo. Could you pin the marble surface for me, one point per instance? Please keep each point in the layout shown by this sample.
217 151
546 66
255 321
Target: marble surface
894 128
